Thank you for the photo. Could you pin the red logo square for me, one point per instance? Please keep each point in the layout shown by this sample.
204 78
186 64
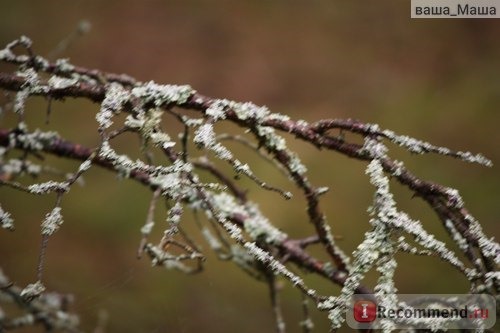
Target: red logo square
365 311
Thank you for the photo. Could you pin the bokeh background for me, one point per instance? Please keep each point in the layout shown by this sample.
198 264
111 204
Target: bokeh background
438 80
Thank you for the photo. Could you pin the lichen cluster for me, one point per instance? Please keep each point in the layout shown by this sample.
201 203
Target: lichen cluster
234 227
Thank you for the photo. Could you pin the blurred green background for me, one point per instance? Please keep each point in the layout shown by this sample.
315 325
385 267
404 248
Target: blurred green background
437 80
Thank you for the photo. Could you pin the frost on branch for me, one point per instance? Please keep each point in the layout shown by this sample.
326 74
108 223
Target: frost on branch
231 222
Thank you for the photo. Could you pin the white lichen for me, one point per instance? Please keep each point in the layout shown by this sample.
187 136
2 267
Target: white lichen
256 225
147 228
162 139
58 82
84 166
322 190
158 94
116 97
399 168
295 165
52 222
276 266
63 66
331 243
20 101
224 154
16 166
34 141
278 117
134 122
249 110
151 121
242 168
6 220
233 230
30 86
421 147
217 109
32 291
273 140
25 41
492 279
386 212
374 148
204 136
48 187
174 185
457 237
455 199
8 55
489 248
302 123
174 214
193 122
124 165
474 158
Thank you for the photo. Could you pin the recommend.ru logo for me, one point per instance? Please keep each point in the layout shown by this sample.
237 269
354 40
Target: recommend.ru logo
420 311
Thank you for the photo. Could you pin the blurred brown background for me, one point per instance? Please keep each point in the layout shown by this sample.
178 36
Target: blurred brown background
438 80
